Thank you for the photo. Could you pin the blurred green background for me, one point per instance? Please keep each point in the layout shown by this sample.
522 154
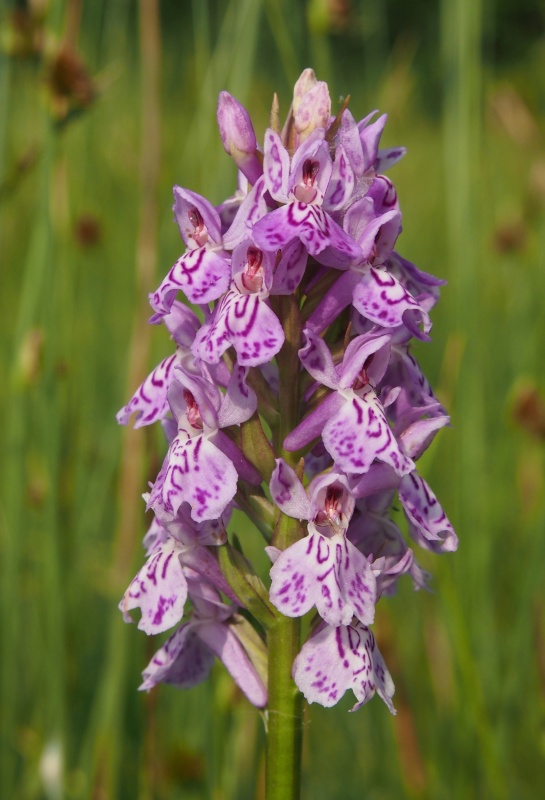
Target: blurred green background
104 105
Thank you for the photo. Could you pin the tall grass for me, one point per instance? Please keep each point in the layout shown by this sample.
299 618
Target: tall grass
469 659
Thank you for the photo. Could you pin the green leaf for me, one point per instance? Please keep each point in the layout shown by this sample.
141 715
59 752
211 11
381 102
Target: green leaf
248 586
257 447
254 645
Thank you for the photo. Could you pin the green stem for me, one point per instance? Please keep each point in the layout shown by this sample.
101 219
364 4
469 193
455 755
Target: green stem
284 734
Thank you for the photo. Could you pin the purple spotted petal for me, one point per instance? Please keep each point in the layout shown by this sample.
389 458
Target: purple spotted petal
316 358
370 350
248 324
197 473
341 250
239 402
370 133
204 564
204 382
276 229
206 600
381 541
317 150
327 573
334 302
188 532
379 479
375 233
291 268
420 284
252 208
156 535
169 429
389 156
228 209
288 492
186 203
183 661
360 222
201 274
313 424
159 590
388 228
359 432
316 229
418 436
317 460
405 371
384 195
323 237
245 469
350 138
341 183
392 568
382 299
428 523
206 394
181 323
334 660
149 402
276 166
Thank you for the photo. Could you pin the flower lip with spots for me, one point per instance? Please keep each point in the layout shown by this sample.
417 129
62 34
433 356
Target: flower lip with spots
334 660
351 422
243 318
199 467
323 569
203 272
301 187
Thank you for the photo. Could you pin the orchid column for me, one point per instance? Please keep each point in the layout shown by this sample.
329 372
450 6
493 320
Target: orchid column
292 394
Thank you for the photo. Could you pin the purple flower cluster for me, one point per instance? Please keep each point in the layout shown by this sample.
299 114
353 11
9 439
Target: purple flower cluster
314 219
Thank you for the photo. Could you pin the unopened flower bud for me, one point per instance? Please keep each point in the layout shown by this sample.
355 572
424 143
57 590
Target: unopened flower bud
238 136
306 81
313 110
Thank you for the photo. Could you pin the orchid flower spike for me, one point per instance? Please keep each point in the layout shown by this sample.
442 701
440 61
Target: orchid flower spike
291 395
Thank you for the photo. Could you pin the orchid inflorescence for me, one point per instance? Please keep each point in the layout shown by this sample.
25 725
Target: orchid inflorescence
292 395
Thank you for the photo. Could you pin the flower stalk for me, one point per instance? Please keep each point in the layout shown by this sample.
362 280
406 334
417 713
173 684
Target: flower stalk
284 713
284 710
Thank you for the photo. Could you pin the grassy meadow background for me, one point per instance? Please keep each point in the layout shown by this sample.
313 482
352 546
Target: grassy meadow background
104 105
